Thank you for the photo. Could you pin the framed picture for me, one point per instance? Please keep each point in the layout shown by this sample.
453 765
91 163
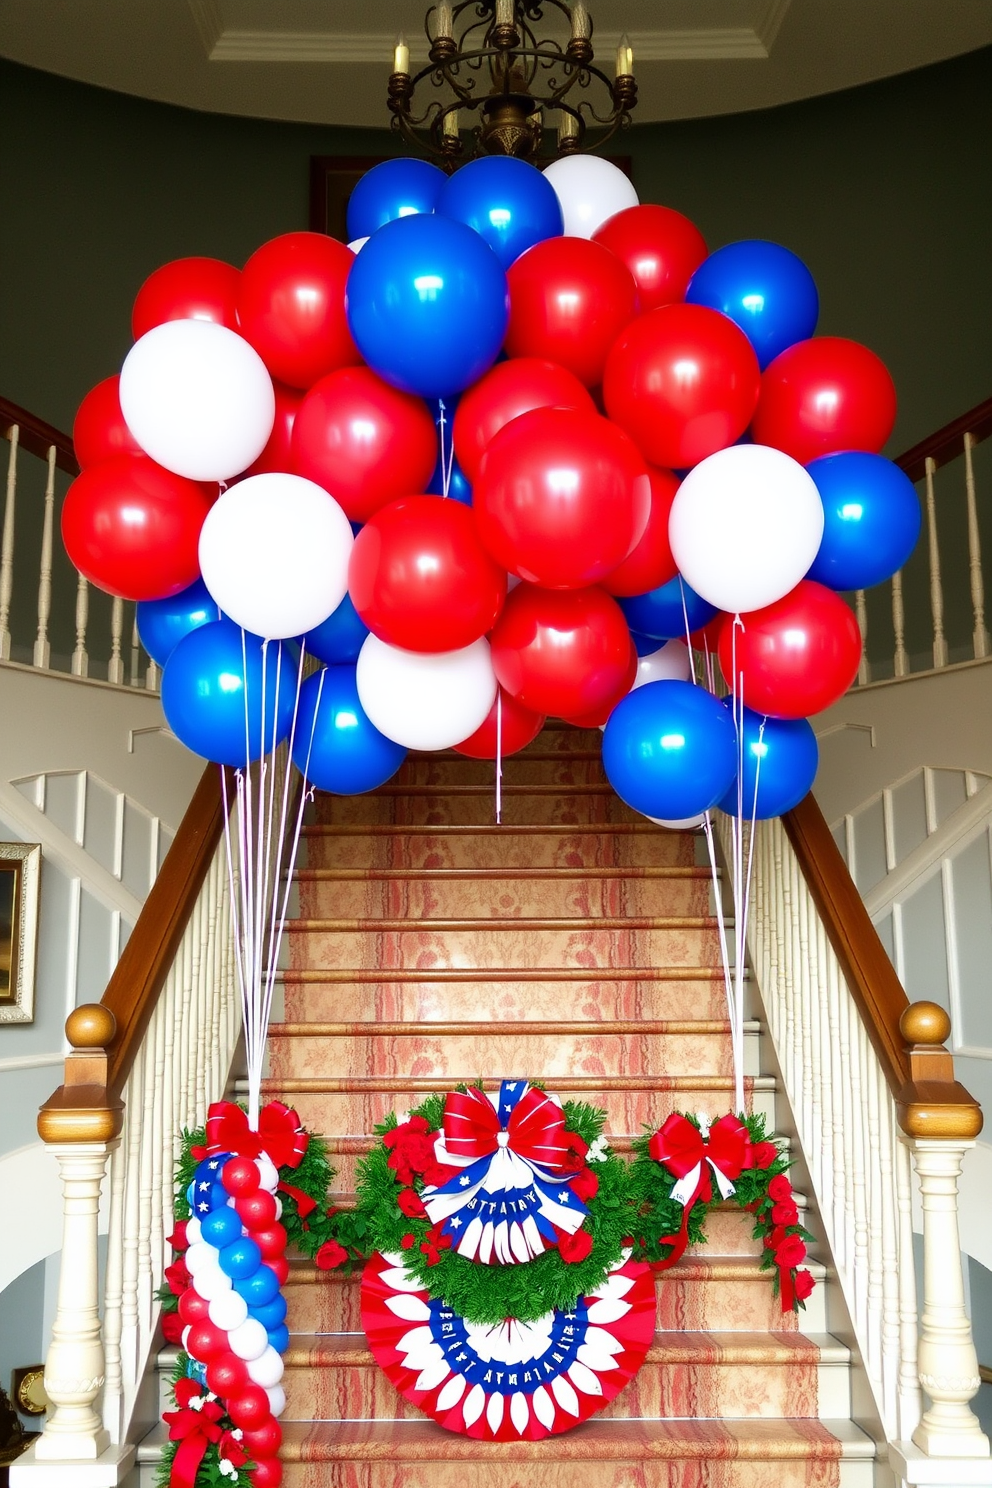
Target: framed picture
20 883
332 180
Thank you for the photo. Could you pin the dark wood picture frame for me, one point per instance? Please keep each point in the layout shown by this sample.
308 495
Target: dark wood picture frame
20 883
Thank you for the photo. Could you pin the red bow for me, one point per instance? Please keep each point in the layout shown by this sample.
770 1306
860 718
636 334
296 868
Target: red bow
535 1131
280 1134
305 1205
680 1147
194 1430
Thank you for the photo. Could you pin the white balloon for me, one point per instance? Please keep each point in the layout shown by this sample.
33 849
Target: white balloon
228 1311
184 1340
426 700
670 663
267 1369
589 190
278 1208
745 526
212 1283
357 244
268 1173
686 824
200 1257
192 1231
197 398
277 1399
274 553
249 1341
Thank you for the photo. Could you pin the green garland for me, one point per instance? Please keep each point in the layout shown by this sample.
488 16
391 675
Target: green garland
488 1294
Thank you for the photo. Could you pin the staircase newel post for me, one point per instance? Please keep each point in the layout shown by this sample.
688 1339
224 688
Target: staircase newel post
80 1124
940 1130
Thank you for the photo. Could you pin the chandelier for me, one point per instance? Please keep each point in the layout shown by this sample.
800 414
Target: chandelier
487 61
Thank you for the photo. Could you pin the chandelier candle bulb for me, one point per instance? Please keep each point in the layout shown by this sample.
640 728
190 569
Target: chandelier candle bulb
449 126
445 24
581 26
401 57
504 13
625 58
568 127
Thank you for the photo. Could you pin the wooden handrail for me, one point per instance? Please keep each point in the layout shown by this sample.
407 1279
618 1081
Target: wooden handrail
37 437
907 1037
947 443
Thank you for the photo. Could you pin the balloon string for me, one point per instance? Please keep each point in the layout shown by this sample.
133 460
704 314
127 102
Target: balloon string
447 459
741 885
498 756
688 635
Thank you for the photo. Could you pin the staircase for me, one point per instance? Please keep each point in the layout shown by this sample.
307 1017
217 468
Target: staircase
575 943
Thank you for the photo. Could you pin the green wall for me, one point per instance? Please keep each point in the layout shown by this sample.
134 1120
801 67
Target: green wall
884 190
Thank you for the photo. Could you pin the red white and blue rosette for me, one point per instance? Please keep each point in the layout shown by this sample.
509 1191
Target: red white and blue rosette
513 1381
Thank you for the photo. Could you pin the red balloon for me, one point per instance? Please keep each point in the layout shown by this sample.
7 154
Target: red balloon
192 1307
227 1374
650 564
519 726
249 1408
291 306
569 300
239 1175
206 1341
683 381
257 1211
563 652
508 390
420 578
277 454
99 430
598 716
561 497
267 1473
188 289
271 1242
364 441
825 395
796 656
280 1266
132 528
661 248
263 1441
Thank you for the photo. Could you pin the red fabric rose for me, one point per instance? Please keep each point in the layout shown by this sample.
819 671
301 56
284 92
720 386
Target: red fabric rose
790 1252
185 1390
439 1174
785 1213
779 1188
178 1239
408 1242
411 1150
573 1248
172 1327
803 1284
775 1237
410 1204
177 1277
330 1255
763 1154
584 1185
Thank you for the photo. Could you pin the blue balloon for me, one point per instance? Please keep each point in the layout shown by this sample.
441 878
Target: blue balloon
221 1227
508 202
271 1314
340 637
428 305
162 623
670 750
780 759
279 1338
644 645
258 1288
336 745
871 520
240 1259
764 288
660 613
204 693
395 188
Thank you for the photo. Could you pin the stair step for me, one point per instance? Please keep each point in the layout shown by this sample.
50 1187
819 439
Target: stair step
524 845
505 974
430 1029
502 925
536 805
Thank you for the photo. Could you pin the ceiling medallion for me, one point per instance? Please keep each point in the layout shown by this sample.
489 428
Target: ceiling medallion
486 57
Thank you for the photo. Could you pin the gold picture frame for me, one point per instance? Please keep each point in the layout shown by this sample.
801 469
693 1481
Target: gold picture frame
20 886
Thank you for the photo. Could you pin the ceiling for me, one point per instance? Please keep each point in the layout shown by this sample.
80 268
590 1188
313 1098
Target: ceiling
326 61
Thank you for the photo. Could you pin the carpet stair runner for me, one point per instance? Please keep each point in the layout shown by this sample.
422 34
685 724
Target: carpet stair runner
574 943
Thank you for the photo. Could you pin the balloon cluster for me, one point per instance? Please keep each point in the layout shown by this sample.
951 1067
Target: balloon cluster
234 1311
637 440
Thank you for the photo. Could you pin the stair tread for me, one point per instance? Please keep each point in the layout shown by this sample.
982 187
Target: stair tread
502 874
492 925
330 1084
418 1028
484 829
505 974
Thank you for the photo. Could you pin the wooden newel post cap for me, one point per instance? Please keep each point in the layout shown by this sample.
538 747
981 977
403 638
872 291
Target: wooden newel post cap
925 1023
91 1026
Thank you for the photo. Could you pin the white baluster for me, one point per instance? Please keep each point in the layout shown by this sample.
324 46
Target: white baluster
7 545
901 659
135 651
861 610
80 659
980 635
42 647
936 588
151 676
115 666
